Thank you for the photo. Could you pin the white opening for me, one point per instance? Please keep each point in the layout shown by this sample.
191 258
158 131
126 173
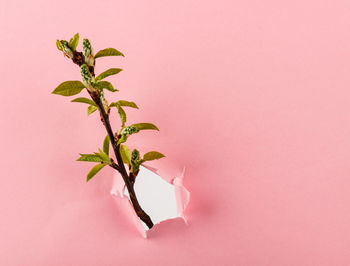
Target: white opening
155 195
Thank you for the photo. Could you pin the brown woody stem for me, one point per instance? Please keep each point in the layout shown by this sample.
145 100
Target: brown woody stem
78 59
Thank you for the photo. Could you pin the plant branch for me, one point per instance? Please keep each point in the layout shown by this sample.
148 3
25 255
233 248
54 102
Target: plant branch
115 166
128 183
78 58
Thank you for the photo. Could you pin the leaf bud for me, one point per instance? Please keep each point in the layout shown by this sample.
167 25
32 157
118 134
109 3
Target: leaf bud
135 161
88 79
66 49
88 53
129 130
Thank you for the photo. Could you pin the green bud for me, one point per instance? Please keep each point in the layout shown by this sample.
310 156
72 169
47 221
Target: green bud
135 155
87 50
66 49
88 53
85 74
129 130
135 160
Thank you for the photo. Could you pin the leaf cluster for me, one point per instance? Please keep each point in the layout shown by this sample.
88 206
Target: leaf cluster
73 87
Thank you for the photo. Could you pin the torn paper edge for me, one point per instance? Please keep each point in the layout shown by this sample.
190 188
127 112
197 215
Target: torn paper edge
182 196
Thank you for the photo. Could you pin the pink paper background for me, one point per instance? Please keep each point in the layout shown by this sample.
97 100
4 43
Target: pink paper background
253 97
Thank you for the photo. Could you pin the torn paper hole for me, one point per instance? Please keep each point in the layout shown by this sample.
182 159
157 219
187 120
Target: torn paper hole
160 199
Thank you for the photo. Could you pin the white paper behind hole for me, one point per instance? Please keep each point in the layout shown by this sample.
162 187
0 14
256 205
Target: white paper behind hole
155 195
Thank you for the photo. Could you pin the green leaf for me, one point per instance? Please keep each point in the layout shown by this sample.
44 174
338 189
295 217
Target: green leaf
122 115
125 153
73 42
69 88
104 156
59 45
91 109
89 158
108 52
94 170
106 145
124 103
99 156
84 100
145 126
122 139
105 85
107 73
152 155
129 104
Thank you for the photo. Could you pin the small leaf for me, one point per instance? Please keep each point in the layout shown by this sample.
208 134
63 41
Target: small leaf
84 100
105 85
124 103
69 88
91 109
94 170
145 126
104 156
108 52
73 42
152 155
125 153
59 45
122 115
122 139
129 104
89 158
107 73
106 145
135 161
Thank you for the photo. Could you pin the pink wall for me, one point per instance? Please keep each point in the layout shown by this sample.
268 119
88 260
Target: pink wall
251 96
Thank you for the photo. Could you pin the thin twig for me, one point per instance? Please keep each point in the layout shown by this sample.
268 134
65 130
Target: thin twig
78 59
